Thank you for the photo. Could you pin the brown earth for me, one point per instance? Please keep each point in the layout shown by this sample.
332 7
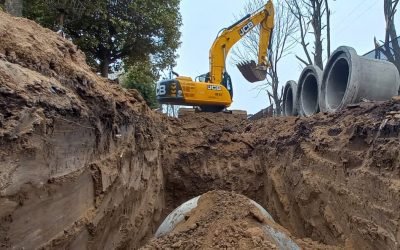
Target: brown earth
226 220
85 164
79 157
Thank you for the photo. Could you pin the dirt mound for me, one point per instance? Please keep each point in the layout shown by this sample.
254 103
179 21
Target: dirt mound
79 157
221 220
224 220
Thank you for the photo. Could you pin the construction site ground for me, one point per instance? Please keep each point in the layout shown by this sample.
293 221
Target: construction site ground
85 164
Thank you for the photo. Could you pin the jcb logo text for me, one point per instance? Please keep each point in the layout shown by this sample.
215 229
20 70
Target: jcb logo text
215 88
246 28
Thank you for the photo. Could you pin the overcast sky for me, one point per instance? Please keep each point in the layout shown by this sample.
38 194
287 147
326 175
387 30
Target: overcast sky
354 23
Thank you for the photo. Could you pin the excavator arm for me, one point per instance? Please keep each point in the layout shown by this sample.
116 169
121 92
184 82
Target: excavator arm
233 34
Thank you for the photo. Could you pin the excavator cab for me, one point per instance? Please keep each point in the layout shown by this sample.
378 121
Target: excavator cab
226 81
203 78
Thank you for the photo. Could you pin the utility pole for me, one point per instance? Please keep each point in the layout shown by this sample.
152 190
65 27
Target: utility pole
14 7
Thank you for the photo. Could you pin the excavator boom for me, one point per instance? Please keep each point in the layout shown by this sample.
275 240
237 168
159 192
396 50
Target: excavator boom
264 17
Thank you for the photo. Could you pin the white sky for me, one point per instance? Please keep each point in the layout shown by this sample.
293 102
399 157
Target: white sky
354 23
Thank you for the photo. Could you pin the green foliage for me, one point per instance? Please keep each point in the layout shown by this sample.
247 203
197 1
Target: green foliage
142 77
39 11
116 33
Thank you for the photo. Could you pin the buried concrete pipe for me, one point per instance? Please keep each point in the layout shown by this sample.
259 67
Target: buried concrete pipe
349 78
178 215
290 104
309 90
271 230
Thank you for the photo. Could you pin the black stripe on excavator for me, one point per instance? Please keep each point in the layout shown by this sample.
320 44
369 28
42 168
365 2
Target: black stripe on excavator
241 20
167 92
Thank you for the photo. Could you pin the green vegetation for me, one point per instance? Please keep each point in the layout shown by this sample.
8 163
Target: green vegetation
142 78
116 33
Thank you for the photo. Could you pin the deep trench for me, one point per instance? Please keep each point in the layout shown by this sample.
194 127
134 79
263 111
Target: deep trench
317 186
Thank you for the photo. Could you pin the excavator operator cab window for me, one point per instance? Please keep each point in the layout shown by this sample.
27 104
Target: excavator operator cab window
203 78
227 83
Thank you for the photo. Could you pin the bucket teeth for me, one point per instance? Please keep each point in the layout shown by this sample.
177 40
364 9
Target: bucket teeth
251 71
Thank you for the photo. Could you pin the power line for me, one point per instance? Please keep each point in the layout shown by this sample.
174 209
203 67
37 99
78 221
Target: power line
355 19
350 13
369 8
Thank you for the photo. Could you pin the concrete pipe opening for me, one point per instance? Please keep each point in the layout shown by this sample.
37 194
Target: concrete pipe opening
309 95
289 99
337 83
308 92
349 78
289 102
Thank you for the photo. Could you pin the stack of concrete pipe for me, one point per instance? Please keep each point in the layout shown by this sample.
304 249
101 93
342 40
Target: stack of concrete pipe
346 79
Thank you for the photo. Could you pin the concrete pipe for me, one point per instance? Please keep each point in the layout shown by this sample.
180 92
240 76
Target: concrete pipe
178 215
290 104
309 90
348 78
282 239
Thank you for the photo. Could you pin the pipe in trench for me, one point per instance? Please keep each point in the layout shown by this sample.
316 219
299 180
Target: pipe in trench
283 241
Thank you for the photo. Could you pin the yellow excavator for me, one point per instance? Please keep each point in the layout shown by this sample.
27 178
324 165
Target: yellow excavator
213 92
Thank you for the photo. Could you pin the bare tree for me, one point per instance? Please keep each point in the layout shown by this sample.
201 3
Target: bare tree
14 7
390 48
281 45
310 16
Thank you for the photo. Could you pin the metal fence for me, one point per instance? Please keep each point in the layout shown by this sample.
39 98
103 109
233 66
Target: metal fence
377 53
268 112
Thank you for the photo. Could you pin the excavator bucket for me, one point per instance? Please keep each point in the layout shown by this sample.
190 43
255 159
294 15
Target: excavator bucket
252 72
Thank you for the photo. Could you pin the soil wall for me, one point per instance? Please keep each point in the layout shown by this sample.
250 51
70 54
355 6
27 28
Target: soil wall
333 178
80 160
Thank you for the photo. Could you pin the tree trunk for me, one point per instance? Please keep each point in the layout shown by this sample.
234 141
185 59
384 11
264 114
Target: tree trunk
328 29
318 51
275 95
104 66
278 106
14 7
317 27
391 52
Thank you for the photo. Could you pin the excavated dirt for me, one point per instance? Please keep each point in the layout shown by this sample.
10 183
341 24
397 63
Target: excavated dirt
85 164
225 220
